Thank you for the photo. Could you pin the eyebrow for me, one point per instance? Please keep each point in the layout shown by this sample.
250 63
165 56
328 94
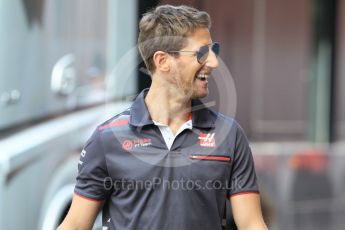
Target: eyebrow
208 44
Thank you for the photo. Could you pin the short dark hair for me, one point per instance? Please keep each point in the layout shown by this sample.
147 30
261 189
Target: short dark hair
166 27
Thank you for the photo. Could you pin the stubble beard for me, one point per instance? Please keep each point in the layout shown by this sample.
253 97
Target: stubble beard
189 89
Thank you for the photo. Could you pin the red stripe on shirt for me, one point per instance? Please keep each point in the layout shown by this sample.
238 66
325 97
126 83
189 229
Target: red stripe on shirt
115 123
244 193
87 198
210 158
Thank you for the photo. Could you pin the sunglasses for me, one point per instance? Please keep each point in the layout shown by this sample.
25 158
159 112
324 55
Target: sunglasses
202 53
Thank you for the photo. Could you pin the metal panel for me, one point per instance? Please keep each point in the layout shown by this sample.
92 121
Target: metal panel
340 86
58 53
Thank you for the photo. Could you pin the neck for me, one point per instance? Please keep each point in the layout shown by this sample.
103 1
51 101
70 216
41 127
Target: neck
167 105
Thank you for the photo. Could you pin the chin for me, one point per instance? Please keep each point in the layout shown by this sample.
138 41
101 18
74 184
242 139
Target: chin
199 95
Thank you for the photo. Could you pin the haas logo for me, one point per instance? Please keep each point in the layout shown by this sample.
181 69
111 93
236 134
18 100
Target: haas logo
207 139
127 145
136 143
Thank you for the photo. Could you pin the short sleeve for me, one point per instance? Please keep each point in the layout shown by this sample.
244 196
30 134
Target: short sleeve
92 170
243 177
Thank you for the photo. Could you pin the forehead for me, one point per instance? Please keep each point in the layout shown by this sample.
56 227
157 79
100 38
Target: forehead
200 36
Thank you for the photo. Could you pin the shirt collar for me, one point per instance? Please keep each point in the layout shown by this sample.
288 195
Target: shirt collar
139 114
202 117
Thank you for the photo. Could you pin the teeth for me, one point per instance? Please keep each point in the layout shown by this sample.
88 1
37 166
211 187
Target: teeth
202 77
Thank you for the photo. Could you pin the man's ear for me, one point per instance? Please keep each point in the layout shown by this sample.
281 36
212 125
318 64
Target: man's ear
161 60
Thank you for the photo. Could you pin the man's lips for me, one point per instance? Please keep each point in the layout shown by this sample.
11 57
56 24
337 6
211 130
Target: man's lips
202 77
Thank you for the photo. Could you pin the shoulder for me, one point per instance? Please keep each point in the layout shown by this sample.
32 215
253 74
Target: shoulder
229 128
115 122
102 136
104 132
222 120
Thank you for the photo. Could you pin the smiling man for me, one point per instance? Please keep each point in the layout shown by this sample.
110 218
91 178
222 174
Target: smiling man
169 162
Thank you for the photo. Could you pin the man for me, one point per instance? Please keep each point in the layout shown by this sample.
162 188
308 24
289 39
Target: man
165 162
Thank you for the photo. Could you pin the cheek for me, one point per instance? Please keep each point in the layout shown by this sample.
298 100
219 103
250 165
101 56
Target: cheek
187 72
191 69
193 73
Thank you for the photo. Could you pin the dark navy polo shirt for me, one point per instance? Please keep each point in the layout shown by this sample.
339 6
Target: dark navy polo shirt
147 186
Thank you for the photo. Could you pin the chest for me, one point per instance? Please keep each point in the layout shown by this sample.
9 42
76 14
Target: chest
144 157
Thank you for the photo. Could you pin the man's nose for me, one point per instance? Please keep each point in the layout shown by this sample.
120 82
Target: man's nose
212 60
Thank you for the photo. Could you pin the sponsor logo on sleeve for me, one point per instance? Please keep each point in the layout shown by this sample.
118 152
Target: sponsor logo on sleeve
82 154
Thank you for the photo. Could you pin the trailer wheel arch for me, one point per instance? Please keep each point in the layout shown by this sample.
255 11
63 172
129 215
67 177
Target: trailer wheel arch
59 194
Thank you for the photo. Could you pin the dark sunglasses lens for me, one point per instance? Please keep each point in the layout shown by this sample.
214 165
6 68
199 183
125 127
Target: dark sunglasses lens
215 48
202 54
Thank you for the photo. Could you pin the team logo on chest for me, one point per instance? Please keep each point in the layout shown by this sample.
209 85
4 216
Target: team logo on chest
207 139
136 143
